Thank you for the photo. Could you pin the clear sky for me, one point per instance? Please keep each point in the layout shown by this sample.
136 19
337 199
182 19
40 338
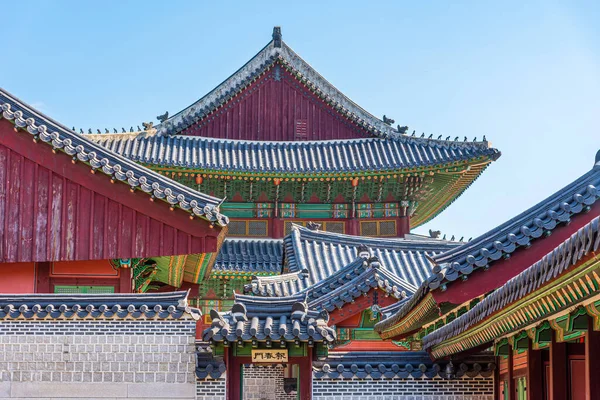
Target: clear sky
525 75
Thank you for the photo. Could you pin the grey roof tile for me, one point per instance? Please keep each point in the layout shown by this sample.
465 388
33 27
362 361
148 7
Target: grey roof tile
534 223
115 305
269 319
250 255
559 261
322 254
327 156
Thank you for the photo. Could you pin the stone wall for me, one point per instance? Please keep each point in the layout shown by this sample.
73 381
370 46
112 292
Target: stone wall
478 388
97 359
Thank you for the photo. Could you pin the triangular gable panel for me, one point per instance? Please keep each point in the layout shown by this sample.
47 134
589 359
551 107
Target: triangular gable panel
276 62
56 207
276 106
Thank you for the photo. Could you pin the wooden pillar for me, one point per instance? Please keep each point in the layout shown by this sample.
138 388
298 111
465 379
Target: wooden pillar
353 226
234 375
42 277
125 284
277 228
558 369
403 227
510 388
306 376
535 373
592 362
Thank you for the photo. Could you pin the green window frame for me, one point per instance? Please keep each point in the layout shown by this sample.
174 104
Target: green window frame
66 289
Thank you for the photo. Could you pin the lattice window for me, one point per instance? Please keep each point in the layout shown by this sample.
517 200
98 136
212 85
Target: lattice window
237 228
335 227
378 228
250 228
301 131
257 228
368 228
65 289
387 228
287 226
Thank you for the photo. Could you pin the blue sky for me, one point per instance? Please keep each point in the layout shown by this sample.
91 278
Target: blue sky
525 75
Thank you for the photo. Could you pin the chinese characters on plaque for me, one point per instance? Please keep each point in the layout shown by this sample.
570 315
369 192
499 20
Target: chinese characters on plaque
269 356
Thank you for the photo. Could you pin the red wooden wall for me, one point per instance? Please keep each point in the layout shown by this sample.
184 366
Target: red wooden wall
271 109
54 210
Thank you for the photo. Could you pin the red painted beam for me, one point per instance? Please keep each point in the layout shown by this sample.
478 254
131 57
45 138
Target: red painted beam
481 282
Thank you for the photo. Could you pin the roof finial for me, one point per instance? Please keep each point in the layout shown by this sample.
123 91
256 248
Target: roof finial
277 36
597 157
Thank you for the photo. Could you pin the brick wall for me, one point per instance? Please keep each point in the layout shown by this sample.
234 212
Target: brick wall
265 383
106 358
211 389
404 389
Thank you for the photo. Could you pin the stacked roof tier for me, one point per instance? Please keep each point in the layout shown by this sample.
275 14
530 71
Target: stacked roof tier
276 127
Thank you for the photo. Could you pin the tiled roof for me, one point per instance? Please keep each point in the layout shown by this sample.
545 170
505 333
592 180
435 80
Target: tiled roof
353 281
344 286
534 223
61 138
250 256
323 253
276 286
266 319
559 261
501 241
398 365
328 156
114 306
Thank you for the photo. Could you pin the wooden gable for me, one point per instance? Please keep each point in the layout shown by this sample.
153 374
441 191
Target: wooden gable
53 208
277 106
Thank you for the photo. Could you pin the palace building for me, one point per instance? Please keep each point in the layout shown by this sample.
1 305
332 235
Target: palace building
258 245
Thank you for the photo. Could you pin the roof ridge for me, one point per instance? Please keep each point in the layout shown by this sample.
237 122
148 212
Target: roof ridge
532 223
538 275
278 51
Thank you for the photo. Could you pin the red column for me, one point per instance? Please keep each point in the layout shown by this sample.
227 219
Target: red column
592 362
234 375
535 373
558 369
42 277
352 226
511 379
306 376
403 226
125 284
277 231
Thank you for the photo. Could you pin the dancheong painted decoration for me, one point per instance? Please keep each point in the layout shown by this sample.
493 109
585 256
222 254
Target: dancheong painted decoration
257 245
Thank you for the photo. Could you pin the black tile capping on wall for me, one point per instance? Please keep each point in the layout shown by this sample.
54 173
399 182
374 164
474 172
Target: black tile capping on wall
104 327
